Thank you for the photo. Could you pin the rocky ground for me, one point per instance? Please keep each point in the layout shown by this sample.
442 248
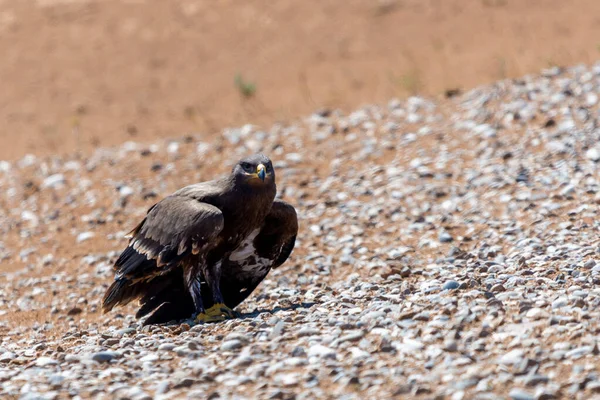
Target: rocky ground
447 249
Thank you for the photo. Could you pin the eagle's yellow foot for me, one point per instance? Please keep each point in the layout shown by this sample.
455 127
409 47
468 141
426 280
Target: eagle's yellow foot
218 312
221 310
205 318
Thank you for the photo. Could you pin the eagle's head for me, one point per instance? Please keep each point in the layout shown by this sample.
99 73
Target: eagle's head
255 170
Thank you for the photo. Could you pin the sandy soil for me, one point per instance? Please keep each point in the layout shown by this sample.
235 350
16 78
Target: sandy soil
81 73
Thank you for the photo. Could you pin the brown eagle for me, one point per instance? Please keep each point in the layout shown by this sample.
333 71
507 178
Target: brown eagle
202 250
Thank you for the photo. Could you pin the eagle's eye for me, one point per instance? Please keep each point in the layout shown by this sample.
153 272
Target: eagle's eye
247 167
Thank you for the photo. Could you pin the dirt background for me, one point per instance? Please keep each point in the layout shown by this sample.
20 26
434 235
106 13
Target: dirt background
78 74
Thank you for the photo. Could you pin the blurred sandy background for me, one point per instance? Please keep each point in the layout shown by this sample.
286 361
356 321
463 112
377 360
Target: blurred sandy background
77 74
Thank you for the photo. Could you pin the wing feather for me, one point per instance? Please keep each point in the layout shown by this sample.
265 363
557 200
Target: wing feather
173 229
168 233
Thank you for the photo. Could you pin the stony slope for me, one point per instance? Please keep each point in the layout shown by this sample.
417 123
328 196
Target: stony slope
447 250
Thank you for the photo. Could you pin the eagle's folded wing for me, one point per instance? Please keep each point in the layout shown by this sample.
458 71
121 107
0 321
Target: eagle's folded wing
278 234
174 229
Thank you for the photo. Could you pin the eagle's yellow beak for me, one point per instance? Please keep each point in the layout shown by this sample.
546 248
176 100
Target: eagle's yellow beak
261 172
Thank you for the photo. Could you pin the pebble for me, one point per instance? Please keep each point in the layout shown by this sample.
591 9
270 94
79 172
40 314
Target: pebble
53 181
7 356
451 285
593 154
318 350
45 361
104 356
445 237
534 380
166 346
560 302
83 236
518 394
230 345
512 357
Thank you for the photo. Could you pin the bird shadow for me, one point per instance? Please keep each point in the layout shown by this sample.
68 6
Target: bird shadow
242 316
275 310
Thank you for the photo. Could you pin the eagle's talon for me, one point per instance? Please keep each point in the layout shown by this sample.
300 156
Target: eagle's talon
202 318
217 313
220 310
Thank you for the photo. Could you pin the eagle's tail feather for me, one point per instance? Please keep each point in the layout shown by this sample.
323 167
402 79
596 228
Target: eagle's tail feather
168 302
171 311
150 303
121 292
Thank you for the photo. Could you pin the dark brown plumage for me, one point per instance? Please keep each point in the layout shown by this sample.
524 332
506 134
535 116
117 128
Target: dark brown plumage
206 247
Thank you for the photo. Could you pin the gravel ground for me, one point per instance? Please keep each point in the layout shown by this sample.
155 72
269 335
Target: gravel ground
448 249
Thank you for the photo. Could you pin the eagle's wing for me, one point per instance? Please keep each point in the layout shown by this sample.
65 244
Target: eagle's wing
277 236
266 249
250 263
174 229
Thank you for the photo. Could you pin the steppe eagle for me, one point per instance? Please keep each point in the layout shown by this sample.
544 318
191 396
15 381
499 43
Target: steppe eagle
202 250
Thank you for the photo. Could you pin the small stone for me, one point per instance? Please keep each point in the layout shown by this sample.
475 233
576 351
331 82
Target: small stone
546 393
53 181
173 148
237 336
593 154
291 379
163 387
451 285
166 347
591 99
445 237
74 311
125 192
519 394
351 337
124 332
277 330
56 380
579 352
104 356
7 356
534 380
45 361
184 383
451 346
200 365
150 357
241 361
568 191
512 357
83 236
306 331
560 302
319 350
72 358
498 288
536 313
230 345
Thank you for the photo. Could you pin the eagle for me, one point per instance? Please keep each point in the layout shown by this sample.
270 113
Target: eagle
201 251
